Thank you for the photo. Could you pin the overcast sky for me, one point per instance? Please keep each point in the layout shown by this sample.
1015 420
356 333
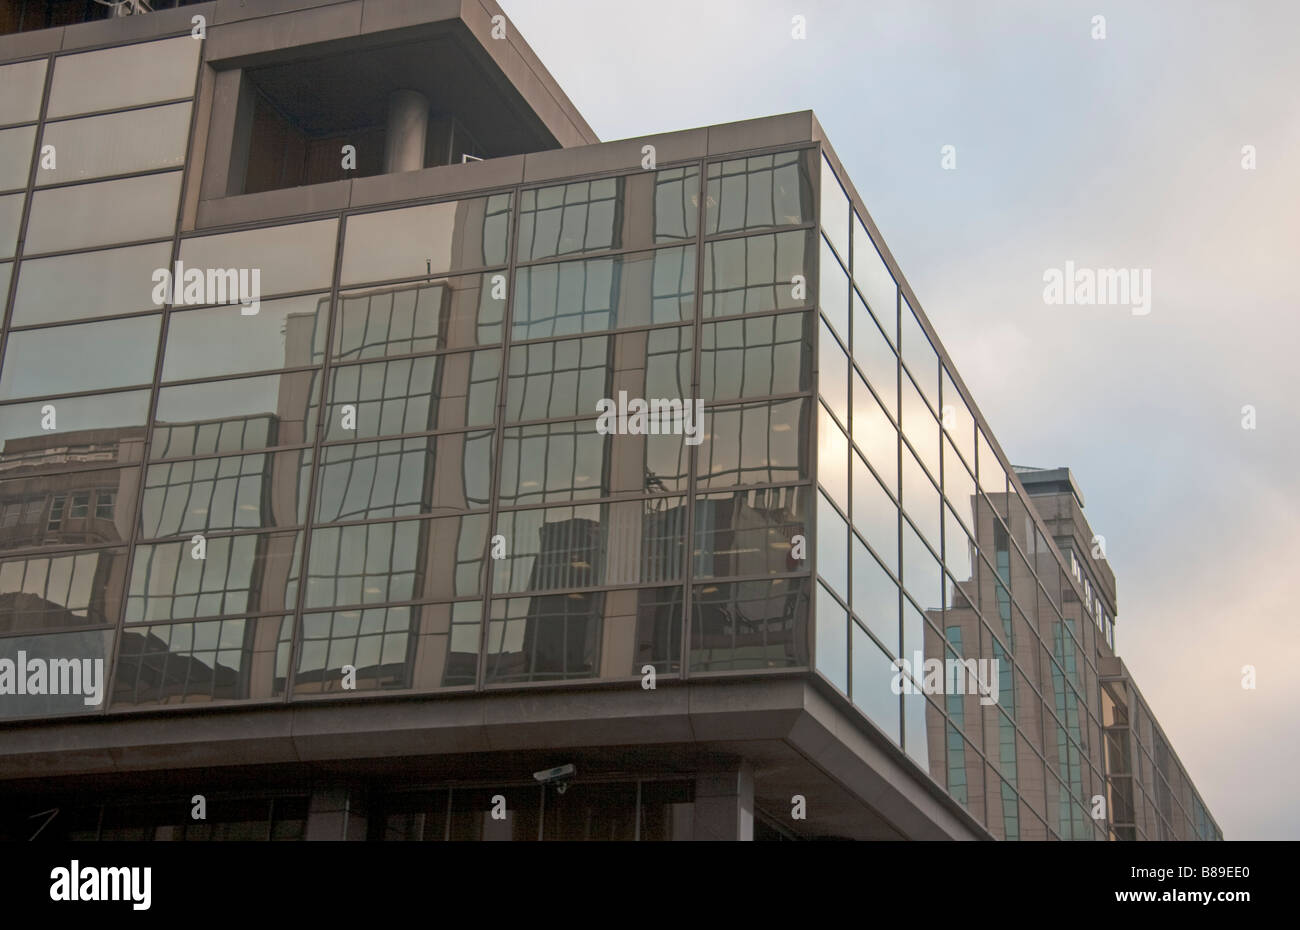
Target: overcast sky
1122 152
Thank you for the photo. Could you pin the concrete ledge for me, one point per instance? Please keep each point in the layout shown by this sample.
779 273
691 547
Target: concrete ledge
123 29
786 129
20 45
230 42
288 202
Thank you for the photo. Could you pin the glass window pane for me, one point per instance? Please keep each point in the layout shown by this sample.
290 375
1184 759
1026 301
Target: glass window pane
290 258
86 215
232 493
142 73
412 395
429 240
39 509
639 289
749 532
757 273
875 596
52 361
874 356
873 678
958 421
69 415
920 427
50 591
834 292
424 647
749 624
876 436
212 661
558 379
835 211
753 193
832 625
832 547
591 545
832 458
554 462
15 154
11 219
376 562
756 356
24 85
609 213
875 515
958 486
454 313
922 576
754 444
224 341
833 374
921 500
238 574
873 279
236 415
396 478
95 646
992 476
103 283
919 356
118 143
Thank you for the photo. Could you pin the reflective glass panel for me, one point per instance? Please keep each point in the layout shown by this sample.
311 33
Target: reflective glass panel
833 374
591 545
237 574
875 596
48 591
873 677
832 547
103 283
832 625
224 341
754 444
637 289
57 360
873 279
24 85
832 458
874 515
236 415
749 624
15 154
757 273
758 192
86 215
142 73
558 379
875 357
407 319
835 211
834 292
212 661
118 143
413 395
430 240
299 257
749 532
754 356
229 493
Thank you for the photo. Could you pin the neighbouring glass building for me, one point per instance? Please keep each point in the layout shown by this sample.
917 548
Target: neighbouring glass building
336 518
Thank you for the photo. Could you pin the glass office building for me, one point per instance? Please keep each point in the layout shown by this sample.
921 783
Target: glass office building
340 497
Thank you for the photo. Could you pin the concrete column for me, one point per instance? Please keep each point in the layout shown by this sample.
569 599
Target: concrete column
408 127
724 804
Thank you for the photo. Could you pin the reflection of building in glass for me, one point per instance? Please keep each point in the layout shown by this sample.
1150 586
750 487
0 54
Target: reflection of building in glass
407 518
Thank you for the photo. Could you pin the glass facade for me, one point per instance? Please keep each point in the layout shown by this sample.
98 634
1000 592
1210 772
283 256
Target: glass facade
396 475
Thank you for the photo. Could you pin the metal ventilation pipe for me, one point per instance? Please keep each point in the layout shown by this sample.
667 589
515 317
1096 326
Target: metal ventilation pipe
408 127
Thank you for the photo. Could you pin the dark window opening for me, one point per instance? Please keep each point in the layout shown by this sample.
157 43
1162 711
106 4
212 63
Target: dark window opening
375 110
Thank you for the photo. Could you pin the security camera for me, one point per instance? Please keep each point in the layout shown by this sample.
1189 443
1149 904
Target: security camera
558 776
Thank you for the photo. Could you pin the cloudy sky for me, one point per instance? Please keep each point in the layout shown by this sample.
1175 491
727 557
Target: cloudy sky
1122 152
